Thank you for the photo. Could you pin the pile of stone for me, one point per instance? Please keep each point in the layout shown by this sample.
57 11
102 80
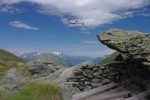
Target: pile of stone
91 76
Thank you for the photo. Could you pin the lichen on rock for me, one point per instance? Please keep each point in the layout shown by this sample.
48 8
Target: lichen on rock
134 44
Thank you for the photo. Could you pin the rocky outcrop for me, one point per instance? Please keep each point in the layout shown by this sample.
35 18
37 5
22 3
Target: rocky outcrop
130 67
14 80
135 45
39 69
68 91
53 77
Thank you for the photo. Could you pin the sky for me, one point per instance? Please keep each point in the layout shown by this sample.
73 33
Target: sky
43 25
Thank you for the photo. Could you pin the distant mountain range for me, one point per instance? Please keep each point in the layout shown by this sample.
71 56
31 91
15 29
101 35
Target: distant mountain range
27 57
80 59
54 57
57 57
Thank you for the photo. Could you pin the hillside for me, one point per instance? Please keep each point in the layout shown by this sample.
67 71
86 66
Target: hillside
8 60
7 56
109 58
75 60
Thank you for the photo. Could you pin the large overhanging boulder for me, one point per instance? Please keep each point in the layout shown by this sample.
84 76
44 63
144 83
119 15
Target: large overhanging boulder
134 44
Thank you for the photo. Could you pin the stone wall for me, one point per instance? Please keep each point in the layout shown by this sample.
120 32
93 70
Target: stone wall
123 72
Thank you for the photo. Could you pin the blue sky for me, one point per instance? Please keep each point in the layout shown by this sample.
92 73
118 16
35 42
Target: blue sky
35 25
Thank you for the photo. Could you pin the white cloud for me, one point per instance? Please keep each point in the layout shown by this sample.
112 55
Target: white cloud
10 1
19 24
92 12
10 9
89 42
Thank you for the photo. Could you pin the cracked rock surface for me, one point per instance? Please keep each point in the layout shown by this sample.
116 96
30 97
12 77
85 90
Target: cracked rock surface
135 45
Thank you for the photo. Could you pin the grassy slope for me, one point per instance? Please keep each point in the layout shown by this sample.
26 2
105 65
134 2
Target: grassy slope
109 58
35 91
7 56
8 60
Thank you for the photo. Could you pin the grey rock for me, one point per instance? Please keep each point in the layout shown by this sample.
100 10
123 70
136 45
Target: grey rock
68 91
87 75
104 81
81 87
88 87
52 77
96 74
133 44
61 76
95 85
14 80
41 70
67 73
96 80
100 71
87 83
89 78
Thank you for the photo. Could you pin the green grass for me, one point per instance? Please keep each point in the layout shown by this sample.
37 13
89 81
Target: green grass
6 65
35 91
8 60
7 56
109 58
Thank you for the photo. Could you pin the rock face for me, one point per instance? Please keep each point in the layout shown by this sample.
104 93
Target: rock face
42 69
134 44
53 77
68 91
14 80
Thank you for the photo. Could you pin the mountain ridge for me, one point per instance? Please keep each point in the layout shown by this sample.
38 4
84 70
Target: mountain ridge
71 60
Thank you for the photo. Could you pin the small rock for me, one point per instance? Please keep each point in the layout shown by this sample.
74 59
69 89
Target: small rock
104 81
96 80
